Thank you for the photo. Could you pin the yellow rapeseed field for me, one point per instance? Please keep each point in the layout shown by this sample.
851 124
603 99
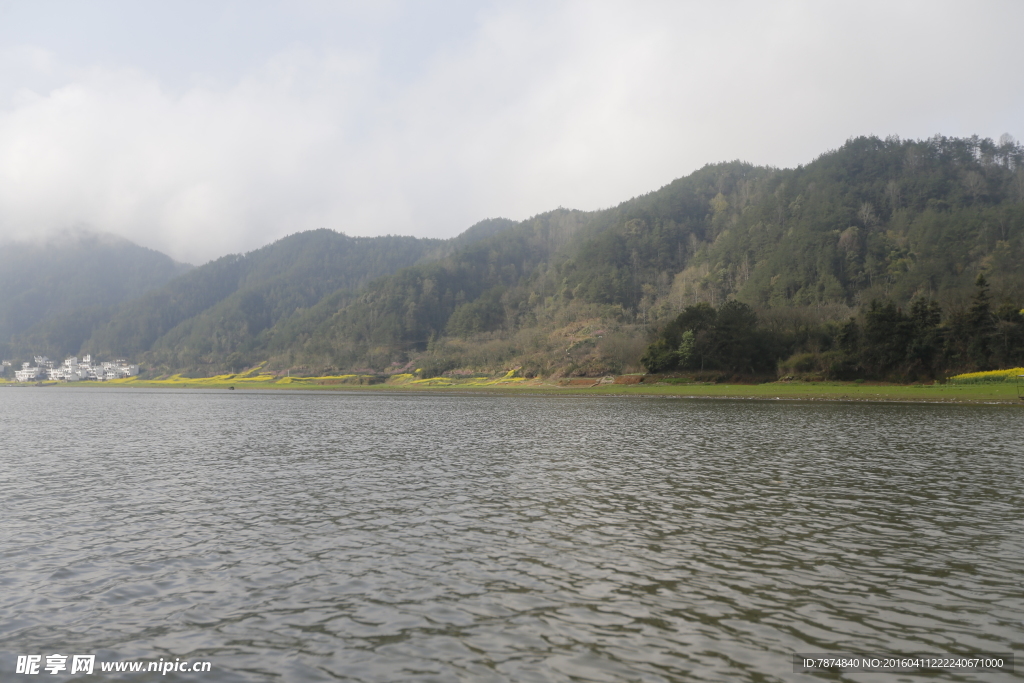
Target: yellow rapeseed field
988 376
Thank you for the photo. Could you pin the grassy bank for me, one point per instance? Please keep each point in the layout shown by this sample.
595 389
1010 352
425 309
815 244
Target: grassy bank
829 391
1001 392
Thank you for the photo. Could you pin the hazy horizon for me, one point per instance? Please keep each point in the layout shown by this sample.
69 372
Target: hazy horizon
202 130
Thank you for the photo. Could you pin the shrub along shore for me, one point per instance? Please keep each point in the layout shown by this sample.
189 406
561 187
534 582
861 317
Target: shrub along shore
1002 391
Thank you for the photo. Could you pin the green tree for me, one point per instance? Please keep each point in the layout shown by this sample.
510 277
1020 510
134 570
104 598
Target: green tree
737 345
701 338
888 333
924 353
982 325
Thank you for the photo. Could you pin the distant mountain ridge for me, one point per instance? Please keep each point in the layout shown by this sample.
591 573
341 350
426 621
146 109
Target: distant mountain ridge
570 292
58 288
221 307
574 292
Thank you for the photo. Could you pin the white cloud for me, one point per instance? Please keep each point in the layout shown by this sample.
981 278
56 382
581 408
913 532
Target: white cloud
584 105
198 174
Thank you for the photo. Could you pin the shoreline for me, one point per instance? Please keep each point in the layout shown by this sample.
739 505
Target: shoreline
1003 393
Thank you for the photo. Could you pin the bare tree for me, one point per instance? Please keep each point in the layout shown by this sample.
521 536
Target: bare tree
974 183
849 239
1003 221
892 189
744 271
780 204
866 214
746 192
1007 146
912 160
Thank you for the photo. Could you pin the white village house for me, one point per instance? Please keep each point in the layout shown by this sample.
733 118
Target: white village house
74 370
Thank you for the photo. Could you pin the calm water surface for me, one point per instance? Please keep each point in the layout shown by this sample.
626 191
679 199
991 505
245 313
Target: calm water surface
371 537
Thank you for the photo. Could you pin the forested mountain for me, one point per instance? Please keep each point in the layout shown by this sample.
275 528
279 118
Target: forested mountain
217 312
60 288
736 267
574 292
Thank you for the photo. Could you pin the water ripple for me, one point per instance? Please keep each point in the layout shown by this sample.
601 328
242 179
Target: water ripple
371 537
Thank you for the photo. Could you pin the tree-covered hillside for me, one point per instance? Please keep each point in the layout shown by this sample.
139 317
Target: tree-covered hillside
214 315
53 293
876 219
777 261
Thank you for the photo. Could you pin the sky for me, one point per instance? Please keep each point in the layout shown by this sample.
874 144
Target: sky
215 127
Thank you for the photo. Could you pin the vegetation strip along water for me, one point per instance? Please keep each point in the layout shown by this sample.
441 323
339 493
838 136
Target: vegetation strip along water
993 392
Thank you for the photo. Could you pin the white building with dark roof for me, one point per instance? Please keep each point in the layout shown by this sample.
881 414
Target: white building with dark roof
75 370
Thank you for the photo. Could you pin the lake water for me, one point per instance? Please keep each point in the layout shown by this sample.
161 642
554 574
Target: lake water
290 536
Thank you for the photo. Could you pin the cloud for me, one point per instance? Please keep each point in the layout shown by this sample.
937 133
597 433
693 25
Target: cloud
581 105
197 174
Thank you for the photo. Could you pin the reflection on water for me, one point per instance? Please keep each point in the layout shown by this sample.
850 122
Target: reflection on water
372 537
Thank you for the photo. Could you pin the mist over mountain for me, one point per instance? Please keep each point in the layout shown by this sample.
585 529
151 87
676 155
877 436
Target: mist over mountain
219 307
572 292
59 288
